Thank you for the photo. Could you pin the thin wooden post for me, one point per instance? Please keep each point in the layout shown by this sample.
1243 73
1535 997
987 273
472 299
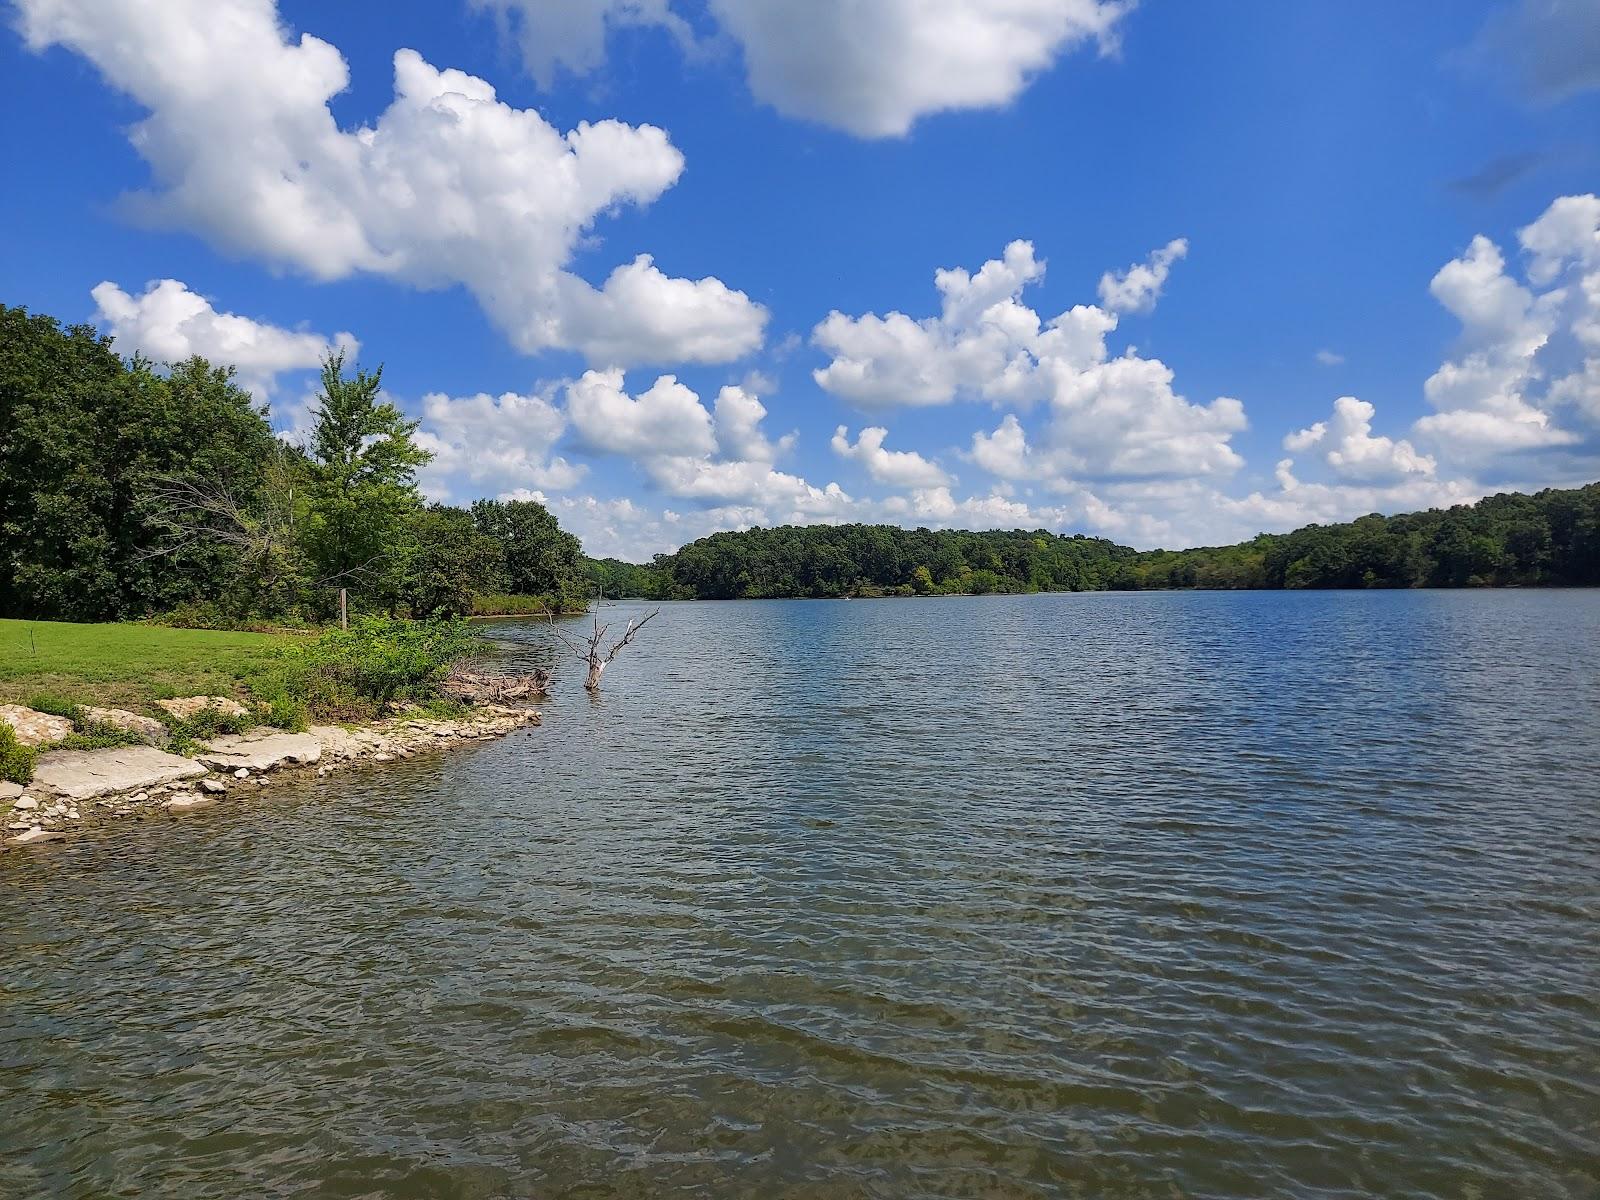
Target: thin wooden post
344 609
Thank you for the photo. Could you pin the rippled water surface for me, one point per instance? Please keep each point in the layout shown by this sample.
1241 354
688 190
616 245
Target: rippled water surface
1097 895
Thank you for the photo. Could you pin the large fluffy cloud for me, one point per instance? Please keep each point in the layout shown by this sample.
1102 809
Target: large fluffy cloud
1107 417
1346 443
688 453
1527 350
869 68
168 322
449 186
492 444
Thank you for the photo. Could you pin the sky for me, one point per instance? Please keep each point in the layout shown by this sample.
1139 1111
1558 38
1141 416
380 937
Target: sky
1168 272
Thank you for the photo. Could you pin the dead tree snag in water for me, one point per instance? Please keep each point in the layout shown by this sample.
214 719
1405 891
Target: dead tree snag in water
589 650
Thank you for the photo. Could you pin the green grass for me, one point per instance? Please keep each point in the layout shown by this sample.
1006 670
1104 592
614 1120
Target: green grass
125 665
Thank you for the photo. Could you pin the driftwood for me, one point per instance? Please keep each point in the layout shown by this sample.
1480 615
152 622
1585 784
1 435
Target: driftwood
485 687
588 650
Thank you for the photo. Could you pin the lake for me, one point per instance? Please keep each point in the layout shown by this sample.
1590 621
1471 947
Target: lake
1102 895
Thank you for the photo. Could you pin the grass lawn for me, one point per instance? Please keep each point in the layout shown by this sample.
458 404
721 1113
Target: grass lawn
123 665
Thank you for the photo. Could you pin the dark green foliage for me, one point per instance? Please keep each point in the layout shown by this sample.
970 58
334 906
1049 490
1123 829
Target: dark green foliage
16 760
354 674
859 560
449 563
1552 538
87 444
616 579
507 604
126 493
541 558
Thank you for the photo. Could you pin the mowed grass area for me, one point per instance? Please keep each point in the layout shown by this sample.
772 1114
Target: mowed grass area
124 665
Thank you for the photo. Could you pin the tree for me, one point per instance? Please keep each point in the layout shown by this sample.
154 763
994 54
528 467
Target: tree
363 486
86 441
540 558
448 563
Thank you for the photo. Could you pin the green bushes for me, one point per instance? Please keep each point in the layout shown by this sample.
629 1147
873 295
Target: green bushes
355 674
16 760
500 604
87 734
186 733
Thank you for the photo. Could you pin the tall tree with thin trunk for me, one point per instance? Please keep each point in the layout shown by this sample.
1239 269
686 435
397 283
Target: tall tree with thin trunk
363 491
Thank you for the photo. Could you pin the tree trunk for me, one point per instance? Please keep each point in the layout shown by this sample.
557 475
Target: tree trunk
597 667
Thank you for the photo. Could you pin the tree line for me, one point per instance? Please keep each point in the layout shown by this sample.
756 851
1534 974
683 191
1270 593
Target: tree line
1509 540
126 491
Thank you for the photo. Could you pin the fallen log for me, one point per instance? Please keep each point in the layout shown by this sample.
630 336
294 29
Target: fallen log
487 687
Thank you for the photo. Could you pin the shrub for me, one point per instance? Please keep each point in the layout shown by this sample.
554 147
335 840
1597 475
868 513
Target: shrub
355 674
501 604
86 734
16 760
97 735
56 706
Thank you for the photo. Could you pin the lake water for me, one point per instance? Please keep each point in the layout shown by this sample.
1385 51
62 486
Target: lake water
1081 895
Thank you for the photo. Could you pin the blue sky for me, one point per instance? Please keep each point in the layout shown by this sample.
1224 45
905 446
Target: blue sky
1367 241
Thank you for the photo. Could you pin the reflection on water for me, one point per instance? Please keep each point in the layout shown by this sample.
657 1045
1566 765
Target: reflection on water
1102 895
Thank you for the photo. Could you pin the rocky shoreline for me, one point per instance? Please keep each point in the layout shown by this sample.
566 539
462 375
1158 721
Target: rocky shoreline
77 790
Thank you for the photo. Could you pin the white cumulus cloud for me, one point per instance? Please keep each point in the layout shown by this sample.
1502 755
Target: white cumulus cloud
1105 417
668 419
871 69
1348 446
168 323
897 468
1137 289
449 186
486 444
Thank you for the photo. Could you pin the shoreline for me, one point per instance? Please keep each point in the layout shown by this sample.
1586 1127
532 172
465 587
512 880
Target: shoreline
75 791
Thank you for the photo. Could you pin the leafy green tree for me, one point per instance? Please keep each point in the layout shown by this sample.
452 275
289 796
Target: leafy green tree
541 558
362 492
89 445
449 562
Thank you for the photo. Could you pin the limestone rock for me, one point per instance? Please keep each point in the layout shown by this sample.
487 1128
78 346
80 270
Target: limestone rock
37 835
34 728
186 706
9 790
147 729
336 742
84 774
25 804
189 803
260 751
214 786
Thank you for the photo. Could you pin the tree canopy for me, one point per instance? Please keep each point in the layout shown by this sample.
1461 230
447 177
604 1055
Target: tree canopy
128 490
1548 539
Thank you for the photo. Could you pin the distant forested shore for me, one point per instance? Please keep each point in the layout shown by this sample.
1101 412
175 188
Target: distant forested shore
1551 539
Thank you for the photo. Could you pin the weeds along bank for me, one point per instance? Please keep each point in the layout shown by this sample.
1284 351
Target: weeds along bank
69 757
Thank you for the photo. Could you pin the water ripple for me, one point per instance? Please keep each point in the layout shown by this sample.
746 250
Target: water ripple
1111 896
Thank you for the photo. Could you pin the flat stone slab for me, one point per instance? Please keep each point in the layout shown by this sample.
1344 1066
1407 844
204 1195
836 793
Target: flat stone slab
36 835
261 751
34 728
9 790
85 774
